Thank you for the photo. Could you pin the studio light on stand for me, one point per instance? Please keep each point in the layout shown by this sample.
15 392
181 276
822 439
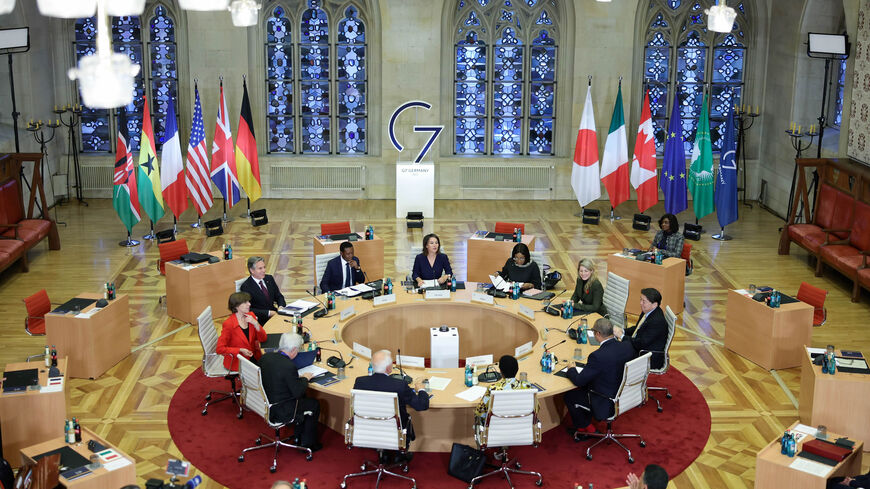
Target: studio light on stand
244 12
720 17
14 41
106 78
204 5
67 9
6 6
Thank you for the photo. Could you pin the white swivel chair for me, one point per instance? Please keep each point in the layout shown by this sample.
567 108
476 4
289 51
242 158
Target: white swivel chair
375 422
320 262
632 393
671 318
213 363
239 283
538 257
511 420
615 298
255 398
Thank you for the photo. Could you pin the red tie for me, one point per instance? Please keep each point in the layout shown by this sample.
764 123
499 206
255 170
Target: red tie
263 288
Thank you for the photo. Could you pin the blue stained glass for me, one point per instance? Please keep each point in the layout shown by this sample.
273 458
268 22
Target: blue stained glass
543 63
657 63
542 99
690 65
728 64
314 98
351 62
507 135
351 98
507 15
315 27
691 96
278 27
470 99
696 6
164 73
658 99
541 136
729 40
696 19
689 135
659 22
86 29
352 135
542 96
674 4
483 3
544 19
280 64
279 84
95 132
531 3
507 99
315 135
693 39
544 38
472 19
280 98
717 133
470 135
658 40
841 87
314 61
126 29
314 84
741 8
461 4
281 135
351 30
722 98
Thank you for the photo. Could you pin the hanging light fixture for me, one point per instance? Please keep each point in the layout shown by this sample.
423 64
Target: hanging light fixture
6 6
67 9
106 78
720 17
244 12
121 8
603 1
204 5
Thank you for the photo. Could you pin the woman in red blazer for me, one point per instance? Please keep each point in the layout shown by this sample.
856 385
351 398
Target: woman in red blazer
241 332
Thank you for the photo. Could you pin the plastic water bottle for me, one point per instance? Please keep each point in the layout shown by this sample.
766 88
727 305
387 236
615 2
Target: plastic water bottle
515 291
544 360
226 252
368 233
47 356
389 286
792 446
582 337
371 370
658 257
469 381
515 235
452 284
519 235
193 482
783 442
570 309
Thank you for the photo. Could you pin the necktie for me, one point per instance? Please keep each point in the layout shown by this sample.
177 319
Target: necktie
348 281
263 288
639 324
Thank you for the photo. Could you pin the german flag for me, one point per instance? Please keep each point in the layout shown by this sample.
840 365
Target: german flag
247 166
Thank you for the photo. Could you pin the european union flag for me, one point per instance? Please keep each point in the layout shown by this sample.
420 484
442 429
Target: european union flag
673 181
726 182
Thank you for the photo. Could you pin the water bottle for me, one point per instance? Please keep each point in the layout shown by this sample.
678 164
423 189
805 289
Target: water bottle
230 251
570 309
783 444
226 252
47 356
452 284
368 233
389 286
519 235
792 446
53 356
386 287
544 360
658 257
515 235
582 337
77 429
830 360
371 370
565 310
515 291
468 376
193 482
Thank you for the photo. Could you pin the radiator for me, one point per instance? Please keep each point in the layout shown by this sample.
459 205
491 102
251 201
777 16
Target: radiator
317 177
96 177
507 177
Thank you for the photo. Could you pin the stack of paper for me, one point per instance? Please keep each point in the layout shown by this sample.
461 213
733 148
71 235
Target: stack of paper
470 394
500 283
298 307
354 291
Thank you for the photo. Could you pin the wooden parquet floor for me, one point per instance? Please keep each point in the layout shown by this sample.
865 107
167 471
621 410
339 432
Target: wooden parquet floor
128 404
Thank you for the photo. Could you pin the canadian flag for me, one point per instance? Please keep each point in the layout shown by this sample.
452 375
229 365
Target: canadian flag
643 164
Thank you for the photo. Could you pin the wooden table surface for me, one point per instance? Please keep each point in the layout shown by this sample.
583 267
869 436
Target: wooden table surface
487 256
669 279
190 291
370 254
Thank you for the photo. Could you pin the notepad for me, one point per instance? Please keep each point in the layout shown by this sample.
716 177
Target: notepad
810 467
438 383
470 394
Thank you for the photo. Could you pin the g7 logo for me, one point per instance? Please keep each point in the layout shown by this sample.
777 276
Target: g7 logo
435 130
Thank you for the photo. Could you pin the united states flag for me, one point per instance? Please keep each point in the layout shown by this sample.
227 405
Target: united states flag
197 172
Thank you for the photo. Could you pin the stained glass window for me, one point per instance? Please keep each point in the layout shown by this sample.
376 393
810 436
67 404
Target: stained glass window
505 105
351 63
682 58
838 98
164 70
279 82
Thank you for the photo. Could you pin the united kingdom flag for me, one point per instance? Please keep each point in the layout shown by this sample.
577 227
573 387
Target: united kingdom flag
223 163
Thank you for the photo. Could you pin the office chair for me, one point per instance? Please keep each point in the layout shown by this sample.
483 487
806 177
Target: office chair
615 298
320 262
169 251
815 297
375 422
330 228
213 363
671 318
508 227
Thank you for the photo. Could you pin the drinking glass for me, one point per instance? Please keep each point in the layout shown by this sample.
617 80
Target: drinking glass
578 354
341 375
524 377
752 289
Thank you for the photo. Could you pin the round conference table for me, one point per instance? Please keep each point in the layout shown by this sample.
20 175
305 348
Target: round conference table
405 324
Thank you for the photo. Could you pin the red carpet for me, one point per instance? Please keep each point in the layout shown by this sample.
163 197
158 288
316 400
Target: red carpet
212 444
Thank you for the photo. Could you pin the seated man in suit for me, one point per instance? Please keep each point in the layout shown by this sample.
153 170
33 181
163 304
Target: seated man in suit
602 374
653 477
266 298
651 331
380 380
342 271
286 389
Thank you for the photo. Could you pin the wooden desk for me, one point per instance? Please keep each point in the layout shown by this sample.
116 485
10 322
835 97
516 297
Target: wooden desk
772 467
669 278
95 343
370 254
840 401
32 416
99 478
449 418
773 338
190 291
487 256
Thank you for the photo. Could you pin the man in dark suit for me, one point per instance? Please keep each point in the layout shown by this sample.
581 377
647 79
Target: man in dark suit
286 389
342 271
266 298
847 482
651 331
380 380
602 374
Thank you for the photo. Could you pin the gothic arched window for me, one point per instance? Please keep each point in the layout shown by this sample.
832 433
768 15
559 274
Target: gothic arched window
504 77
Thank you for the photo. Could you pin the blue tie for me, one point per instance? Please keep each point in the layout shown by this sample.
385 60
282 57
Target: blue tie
348 281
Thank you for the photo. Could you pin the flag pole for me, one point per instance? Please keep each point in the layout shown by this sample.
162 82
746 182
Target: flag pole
247 214
174 225
150 235
226 218
129 241
612 217
721 236
198 222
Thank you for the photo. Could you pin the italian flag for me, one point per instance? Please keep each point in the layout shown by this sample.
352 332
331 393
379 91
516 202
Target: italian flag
614 163
584 172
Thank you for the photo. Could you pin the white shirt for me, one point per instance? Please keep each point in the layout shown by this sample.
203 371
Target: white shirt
344 266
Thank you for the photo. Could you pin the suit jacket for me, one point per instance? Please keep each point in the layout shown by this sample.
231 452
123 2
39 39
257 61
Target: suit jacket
652 336
232 339
282 384
407 397
261 304
858 481
423 270
603 374
331 279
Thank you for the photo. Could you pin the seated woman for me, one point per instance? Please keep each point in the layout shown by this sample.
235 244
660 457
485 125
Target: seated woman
508 367
241 333
520 268
669 240
431 264
588 292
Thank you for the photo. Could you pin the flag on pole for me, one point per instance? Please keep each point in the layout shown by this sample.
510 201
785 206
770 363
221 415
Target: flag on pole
246 150
197 172
124 196
673 180
148 178
584 172
701 180
643 164
223 165
614 162
172 171
726 184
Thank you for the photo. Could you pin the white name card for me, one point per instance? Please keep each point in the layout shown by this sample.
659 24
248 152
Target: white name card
437 294
527 312
482 298
362 351
409 361
523 349
346 313
479 360
385 299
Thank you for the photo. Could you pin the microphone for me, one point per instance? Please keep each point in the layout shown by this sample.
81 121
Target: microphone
568 331
306 337
401 375
489 375
547 350
334 361
319 313
549 309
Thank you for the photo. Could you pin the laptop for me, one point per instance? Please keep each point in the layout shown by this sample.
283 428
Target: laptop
504 236
20 380
304 358
344 237
72 304
195 257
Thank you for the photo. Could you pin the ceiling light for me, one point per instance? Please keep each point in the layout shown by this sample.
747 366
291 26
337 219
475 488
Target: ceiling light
244 12
6 6
121 8
204 5
720 17
603 1
67 9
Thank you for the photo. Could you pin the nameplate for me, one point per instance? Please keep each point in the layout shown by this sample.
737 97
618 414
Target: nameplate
362 351
346 313
523 350
336 333
527 312
479 360
482 298
385 299
409 361
437 294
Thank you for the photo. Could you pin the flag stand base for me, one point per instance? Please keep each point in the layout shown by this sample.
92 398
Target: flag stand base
227 218
149 236
612 217
721 237
128 243
196 224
